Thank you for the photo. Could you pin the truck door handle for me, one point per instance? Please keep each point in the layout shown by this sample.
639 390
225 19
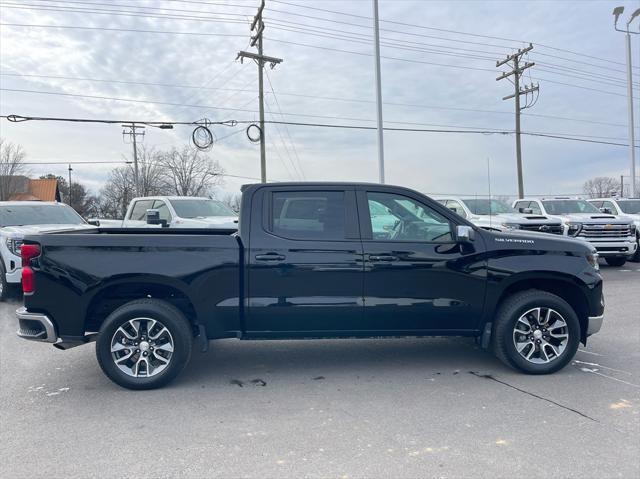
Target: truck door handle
383 257
270 257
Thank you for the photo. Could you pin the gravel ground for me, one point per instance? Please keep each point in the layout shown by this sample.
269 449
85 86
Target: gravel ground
432 407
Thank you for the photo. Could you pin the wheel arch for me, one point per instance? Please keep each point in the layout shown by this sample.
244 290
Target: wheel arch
562 287
123 290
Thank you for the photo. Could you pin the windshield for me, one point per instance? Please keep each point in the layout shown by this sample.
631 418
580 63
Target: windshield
20 215
481 207
567 207
631 207
191 208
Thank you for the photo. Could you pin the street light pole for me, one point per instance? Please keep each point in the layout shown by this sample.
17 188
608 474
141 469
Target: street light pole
632 150
376 39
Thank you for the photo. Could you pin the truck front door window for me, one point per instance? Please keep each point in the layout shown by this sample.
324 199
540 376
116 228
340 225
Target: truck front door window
163 209
312 215
139 211
405 220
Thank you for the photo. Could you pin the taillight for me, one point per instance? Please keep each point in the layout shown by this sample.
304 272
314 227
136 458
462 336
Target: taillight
27 253
28 284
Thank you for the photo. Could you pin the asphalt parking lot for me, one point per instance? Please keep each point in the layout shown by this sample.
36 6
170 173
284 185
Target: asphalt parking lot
432 407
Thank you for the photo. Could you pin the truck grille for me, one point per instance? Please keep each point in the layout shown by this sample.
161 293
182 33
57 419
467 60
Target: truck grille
553 229
604 230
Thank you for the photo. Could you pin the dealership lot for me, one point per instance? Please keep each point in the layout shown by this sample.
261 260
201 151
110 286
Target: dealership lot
427 407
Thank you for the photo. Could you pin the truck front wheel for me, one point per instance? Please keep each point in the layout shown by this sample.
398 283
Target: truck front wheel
144 344
536 332
615 260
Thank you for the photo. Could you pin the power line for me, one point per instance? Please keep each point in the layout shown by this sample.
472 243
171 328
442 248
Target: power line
286 42
457 32
293 146
585 138
96 11
130 6
253 111
134 30
315 97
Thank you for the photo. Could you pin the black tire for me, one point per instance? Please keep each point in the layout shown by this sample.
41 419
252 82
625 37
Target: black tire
505 321
615 260
4 286
636 257
170 317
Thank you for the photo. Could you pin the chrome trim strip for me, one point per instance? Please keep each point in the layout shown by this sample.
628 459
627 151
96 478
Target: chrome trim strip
49 329
595 323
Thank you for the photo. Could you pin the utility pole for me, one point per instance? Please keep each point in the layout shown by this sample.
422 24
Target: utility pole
517 71
632 151
132 133
260 59
70 170
376 39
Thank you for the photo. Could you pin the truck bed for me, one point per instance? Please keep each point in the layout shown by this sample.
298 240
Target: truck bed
79 271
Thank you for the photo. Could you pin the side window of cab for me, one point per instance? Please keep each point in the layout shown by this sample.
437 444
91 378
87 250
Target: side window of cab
163 209
397 217
139 210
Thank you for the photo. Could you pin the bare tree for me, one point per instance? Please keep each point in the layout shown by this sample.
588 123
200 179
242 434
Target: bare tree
11 168
600 187
232 200
117 193
150 172
189 172
82 200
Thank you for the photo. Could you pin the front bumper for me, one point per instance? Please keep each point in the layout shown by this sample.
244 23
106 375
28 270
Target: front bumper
625 247
35 326
595 323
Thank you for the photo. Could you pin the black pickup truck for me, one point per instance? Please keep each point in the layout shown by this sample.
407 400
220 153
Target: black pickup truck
309 260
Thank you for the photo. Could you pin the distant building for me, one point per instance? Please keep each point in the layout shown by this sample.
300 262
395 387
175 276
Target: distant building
26 189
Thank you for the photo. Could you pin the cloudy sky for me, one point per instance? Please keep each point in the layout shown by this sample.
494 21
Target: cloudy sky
175 60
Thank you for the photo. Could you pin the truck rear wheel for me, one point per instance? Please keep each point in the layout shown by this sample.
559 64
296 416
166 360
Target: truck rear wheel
536 332
144 344
615 260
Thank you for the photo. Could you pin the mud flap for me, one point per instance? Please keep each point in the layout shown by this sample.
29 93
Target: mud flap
202 339
485 339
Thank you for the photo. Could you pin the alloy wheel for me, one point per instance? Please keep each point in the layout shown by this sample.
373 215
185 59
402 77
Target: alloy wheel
541 335
142 347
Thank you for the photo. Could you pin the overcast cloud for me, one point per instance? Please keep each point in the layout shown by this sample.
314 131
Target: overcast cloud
430 94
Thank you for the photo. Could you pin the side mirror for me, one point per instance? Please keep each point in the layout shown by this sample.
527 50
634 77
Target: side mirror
94 222
465 234
153 218
526 211
453 208
606 211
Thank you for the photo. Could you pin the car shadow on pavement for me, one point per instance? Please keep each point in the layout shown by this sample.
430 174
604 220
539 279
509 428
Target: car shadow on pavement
234 361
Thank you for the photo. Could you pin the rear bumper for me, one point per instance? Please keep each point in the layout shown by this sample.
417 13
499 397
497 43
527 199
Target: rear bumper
35 326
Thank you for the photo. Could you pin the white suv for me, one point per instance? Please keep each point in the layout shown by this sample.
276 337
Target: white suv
622 206
20 218
614 237
493 214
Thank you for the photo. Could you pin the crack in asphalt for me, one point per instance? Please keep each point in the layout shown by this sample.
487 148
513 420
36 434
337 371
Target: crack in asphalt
489 376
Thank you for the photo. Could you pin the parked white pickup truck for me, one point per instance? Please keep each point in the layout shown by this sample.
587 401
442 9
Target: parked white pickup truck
492 214
175 212
614 237
20 218
622 206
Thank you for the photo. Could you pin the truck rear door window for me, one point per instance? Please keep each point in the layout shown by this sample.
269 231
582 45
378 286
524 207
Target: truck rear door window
308 215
